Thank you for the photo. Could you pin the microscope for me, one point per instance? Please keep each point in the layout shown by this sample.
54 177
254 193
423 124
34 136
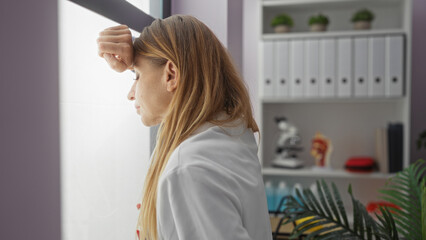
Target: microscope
288 145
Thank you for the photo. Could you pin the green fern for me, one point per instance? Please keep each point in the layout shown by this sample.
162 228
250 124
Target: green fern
424 208
405 191
328 211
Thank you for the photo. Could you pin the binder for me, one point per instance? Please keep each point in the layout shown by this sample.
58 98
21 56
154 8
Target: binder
382 150
394 66
328 67
296 68
395 147
312 68
344 67
268 69
377 59
283 65
360 67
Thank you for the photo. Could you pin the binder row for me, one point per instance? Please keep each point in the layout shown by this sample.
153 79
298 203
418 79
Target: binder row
336 67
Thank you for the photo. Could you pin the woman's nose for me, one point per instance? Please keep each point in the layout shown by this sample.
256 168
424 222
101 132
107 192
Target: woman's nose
131 94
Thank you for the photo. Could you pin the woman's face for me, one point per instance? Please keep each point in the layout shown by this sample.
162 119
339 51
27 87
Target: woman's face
153 90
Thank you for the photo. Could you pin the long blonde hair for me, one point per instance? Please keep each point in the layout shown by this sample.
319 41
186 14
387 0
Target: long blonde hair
208 84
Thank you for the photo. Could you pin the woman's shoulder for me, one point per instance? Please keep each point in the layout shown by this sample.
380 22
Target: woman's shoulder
214 149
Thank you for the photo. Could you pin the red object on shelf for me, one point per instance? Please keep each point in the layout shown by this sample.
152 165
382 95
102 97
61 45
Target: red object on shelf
374 206
360 164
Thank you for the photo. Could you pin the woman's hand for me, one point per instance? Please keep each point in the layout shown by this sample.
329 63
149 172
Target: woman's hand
115 45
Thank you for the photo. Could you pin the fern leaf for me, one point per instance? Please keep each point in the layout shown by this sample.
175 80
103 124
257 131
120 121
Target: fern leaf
311 196
404 190
423 217
322 224
332 204
318 233
322 198
340 204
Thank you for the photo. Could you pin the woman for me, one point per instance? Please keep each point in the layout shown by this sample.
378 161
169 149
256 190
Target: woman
204 179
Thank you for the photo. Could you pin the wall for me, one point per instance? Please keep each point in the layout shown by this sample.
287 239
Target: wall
29 122
212 13
251 21
418 84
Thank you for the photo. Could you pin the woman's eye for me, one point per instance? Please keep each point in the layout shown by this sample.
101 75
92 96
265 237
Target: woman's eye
137 77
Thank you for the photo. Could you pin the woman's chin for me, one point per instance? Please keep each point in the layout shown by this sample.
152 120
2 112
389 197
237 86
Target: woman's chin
148 122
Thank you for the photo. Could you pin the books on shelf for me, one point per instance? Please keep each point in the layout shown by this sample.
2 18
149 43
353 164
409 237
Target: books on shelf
389 148
395 147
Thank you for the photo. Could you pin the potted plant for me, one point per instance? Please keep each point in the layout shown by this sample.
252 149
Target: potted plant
318 23
324 216
362 19
282 23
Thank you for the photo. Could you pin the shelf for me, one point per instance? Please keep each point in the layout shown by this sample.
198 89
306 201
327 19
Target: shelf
350 3
322 173
348 33
331 100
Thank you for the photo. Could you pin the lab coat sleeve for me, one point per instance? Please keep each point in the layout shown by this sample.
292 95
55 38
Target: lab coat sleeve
197 203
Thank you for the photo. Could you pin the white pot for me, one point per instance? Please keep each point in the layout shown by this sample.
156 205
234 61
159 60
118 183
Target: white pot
282 29
318 27
362 25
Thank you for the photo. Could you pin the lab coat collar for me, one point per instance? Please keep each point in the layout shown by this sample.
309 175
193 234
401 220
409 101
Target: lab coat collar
234 127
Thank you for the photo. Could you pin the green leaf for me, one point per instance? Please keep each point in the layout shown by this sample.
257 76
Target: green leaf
340 204
423 200
331 202
319 231
315 201
404 191
322 198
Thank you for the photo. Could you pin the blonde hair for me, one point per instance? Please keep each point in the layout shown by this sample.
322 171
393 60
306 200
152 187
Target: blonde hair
208 84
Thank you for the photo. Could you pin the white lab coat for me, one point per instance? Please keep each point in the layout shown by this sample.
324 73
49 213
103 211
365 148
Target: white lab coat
212 188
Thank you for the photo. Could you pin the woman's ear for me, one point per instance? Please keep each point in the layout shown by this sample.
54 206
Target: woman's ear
171 76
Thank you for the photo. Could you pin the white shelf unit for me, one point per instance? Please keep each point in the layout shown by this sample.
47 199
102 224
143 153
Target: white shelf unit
349 122
323 174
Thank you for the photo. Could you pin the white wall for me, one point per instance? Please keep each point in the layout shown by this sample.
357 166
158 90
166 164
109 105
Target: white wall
211 13
251 37
104 145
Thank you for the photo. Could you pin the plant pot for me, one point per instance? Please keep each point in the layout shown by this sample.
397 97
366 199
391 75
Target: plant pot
281 29
362 25
317 27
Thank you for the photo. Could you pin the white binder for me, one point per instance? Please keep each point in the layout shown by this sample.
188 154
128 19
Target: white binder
296 68
377 59
268 69
360 67
282 64
344 67
328 67
394 66
312 68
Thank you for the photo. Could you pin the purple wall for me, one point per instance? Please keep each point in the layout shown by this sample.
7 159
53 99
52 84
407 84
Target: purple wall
418 84
29 125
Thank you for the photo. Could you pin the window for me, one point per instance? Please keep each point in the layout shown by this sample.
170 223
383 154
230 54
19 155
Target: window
105 148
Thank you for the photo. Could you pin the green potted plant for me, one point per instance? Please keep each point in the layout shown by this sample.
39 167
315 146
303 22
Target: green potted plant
324 215
282 23
362 19
318 23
